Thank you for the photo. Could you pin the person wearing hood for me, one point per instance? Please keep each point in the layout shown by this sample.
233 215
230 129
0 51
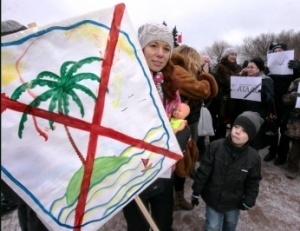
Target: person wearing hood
255 68
280 145
229 176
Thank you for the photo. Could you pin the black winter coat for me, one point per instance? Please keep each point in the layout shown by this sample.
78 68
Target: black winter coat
228 176
281 85
267 99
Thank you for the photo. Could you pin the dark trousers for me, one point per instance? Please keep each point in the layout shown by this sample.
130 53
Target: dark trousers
178 182
201 147
281 148
182 138
28 219
161 207
294 156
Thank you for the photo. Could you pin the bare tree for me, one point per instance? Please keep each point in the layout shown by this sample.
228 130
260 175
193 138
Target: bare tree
255 46
259 46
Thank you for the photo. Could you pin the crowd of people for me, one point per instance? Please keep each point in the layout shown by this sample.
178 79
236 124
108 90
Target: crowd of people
229 171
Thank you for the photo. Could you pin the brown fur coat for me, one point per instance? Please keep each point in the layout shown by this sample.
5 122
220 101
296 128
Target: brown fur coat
205 87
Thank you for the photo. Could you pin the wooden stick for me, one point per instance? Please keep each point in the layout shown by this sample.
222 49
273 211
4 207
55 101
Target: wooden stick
31 25
146 213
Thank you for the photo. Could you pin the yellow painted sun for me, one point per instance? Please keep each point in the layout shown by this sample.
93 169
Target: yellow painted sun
8 73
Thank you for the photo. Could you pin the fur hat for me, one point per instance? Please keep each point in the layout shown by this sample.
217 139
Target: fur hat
10 27
250 121
259 63
275 45
150 32
228 51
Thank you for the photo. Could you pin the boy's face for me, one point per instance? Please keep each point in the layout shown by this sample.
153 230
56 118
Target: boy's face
239 137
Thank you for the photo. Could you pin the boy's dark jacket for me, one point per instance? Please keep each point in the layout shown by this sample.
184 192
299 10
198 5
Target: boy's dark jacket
228 176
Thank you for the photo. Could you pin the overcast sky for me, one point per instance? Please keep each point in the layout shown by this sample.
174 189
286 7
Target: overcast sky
200 22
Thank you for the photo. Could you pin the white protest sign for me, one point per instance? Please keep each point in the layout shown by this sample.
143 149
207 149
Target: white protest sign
298 98
278 62
246 88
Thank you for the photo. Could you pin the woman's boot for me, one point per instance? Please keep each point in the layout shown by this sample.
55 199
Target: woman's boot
180 203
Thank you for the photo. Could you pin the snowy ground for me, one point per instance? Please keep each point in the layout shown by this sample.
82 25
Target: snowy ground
277 207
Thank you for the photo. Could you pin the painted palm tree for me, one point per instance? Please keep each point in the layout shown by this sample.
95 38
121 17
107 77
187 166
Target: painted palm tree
61 90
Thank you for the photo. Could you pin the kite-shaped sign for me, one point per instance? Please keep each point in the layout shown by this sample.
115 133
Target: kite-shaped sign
83 128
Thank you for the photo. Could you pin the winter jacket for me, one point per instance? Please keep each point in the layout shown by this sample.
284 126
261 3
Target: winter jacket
267 98
228 176
289 99
222 72
281 85
193 90
263 107
204 87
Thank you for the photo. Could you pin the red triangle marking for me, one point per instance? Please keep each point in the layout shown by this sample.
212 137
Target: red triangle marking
145 162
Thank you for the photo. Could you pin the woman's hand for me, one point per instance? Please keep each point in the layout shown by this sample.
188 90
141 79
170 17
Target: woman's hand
244 71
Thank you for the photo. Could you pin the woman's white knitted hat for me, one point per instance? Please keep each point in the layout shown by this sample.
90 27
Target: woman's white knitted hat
151 32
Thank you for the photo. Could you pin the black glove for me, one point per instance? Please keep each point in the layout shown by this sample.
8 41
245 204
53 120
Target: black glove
195 200
294 64
244 207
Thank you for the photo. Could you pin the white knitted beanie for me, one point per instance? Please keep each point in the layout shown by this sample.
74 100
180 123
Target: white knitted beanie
228 51
150 32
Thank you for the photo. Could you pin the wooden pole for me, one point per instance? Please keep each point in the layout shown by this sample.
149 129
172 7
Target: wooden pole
31 25
146 213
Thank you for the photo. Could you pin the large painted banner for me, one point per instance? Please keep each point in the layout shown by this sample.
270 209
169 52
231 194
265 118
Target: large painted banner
83 128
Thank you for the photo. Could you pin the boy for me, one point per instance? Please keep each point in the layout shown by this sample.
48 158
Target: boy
229 175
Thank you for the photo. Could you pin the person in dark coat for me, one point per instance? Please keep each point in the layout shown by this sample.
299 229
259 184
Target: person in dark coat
229 175
280 145
293 129
157 43
194 87
225 105
255 68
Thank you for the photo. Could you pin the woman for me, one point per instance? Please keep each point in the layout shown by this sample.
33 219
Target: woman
226 106
157 44
256 68
194 87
